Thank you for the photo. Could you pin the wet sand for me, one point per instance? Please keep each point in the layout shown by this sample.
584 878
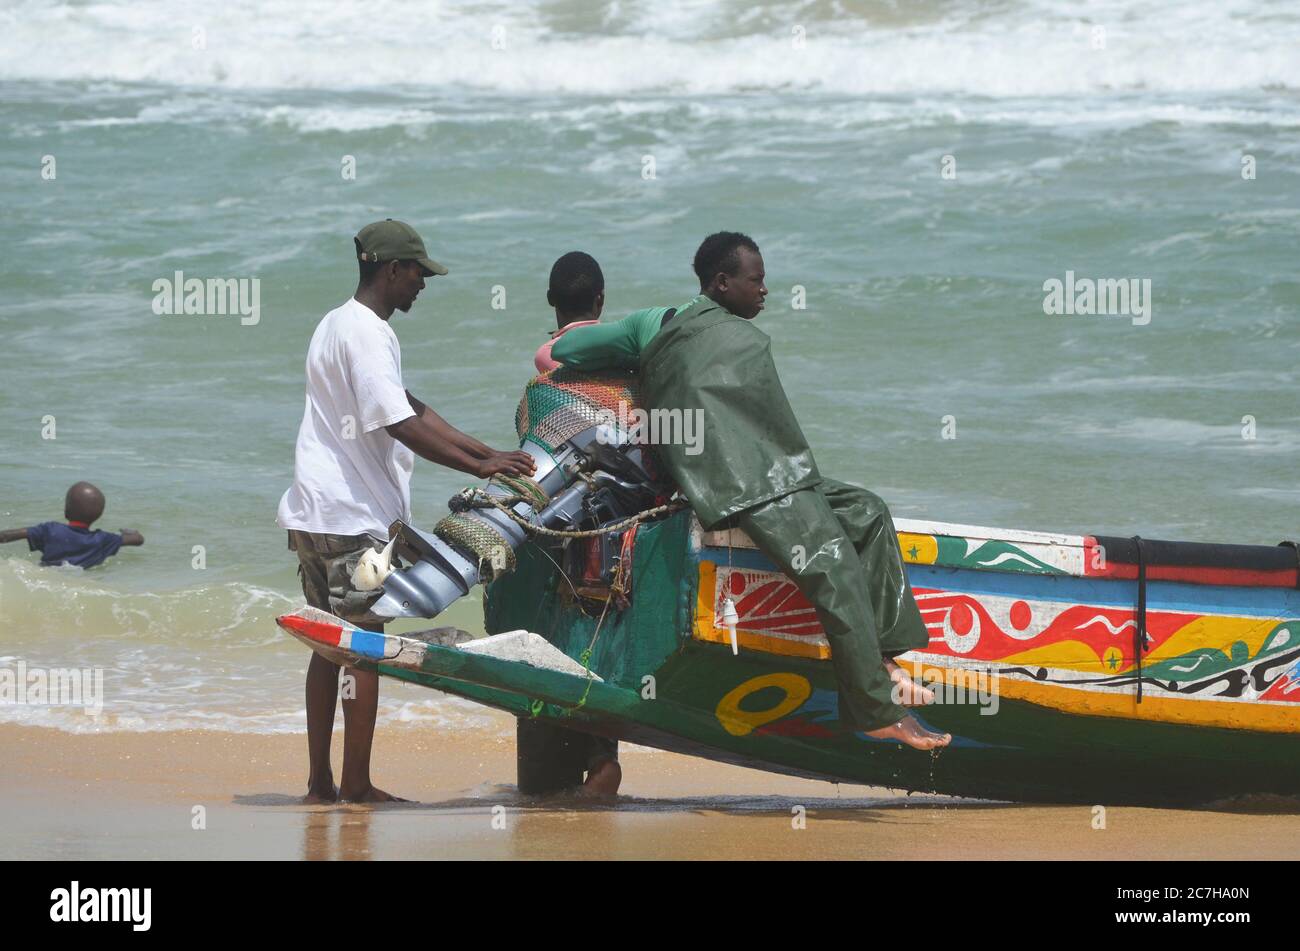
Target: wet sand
134 795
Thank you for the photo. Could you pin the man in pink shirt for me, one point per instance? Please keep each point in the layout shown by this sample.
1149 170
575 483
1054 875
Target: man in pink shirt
577 293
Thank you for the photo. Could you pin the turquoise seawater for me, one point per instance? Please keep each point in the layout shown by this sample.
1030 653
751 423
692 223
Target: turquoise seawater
915 171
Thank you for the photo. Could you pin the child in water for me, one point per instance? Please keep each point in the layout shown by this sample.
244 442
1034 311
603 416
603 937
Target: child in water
75 543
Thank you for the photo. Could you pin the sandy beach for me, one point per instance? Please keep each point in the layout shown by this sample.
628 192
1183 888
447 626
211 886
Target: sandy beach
134 796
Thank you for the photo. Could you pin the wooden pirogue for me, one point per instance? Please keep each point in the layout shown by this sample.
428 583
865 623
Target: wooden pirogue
1056 682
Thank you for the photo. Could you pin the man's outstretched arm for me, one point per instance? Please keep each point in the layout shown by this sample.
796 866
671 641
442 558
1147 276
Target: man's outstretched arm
616 344
131 537
464 441
431 437
12 535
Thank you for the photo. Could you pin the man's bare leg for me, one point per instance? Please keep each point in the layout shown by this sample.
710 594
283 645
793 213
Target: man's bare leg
360 708
602 779
907 692
909 731
322 695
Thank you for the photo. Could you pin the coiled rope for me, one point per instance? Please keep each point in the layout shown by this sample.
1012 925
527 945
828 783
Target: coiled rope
477 498
493 551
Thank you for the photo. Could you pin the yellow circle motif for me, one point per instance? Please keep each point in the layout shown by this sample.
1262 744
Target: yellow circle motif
740 722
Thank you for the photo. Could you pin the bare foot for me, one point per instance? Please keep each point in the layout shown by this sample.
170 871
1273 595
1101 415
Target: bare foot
909 730
321 793
907 692
370 794
603 781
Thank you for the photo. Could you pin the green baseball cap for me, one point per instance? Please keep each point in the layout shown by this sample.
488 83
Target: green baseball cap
391 240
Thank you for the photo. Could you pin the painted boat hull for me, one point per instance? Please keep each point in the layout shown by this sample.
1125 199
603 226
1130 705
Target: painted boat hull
1032 652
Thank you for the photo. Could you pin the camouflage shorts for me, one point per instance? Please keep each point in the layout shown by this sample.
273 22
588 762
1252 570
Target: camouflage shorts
325 566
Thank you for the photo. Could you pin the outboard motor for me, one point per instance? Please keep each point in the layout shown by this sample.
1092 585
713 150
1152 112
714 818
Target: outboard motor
592 470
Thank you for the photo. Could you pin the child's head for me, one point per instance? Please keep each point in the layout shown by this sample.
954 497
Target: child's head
83 503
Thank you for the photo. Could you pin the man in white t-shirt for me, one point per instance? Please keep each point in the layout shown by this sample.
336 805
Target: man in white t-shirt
360 434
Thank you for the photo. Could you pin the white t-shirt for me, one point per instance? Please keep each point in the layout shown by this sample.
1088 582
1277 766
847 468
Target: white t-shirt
349 476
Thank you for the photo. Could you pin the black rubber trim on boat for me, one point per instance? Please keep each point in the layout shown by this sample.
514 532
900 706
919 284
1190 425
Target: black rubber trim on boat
1295 549
1140 627
1120 549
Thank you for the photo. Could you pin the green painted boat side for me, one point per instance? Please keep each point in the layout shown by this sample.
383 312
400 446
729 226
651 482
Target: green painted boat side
1042 756
1026 752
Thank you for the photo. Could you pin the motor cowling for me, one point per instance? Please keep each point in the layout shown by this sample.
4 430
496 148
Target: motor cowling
592 470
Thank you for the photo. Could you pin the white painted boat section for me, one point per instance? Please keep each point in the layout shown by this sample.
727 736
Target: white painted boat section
525 647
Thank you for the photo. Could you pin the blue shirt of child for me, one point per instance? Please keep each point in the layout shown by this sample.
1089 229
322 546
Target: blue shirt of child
68 544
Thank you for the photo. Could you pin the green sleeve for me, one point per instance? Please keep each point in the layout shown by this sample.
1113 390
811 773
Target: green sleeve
616 344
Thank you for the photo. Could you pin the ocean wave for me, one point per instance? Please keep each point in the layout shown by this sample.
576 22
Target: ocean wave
1028 48
204 657
123 716
58 604
794 121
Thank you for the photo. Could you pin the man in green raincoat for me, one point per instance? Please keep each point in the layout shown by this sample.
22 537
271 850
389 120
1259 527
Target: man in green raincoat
754 470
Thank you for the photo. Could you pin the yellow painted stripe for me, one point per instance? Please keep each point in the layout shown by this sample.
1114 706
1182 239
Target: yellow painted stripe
1212 632
1216 632
1231 715
1063 655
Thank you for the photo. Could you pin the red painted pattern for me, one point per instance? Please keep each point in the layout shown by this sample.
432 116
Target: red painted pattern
769 602
1285 688
795 727
1075 623
316 630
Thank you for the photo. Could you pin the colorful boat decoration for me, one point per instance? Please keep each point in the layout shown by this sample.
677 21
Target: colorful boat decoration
1085 669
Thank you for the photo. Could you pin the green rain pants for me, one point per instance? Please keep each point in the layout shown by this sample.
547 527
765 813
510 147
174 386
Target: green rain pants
852 572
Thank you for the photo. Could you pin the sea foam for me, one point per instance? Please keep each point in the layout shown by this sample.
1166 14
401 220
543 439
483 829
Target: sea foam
1033 48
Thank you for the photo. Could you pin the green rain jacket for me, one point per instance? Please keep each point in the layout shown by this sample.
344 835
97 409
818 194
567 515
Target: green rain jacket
753 453
708 361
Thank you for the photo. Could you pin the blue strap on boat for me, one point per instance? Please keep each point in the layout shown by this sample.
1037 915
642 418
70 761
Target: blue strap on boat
1140 626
